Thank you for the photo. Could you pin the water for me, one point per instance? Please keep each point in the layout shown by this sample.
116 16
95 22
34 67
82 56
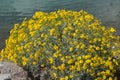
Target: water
14 11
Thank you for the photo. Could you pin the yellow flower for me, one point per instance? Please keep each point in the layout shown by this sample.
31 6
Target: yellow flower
62 78
25 59
51 60
67 57
60 54
55 55
97 48
72 68
77 46
34 63
92 64
110 78
82 35
115 62
88 71
24 63
88 61
80 61
70 61
66 78
54 67
88 18
76 30
87 56
112 30
74 35
62 67
31 56
62 59
56 47
84 66
108 45
108 72
36 55
104 77
82 46
111 67
71 76
71 49
55 75
52 31
42 65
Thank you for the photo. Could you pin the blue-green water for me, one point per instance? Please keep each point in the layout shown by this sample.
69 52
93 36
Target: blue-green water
13 11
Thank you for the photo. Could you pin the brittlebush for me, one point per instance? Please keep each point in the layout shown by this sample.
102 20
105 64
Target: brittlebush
72 45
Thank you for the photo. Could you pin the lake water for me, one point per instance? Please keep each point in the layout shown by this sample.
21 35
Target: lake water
13 11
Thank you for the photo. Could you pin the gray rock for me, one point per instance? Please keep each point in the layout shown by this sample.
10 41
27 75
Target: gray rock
5 77
15 72
1 65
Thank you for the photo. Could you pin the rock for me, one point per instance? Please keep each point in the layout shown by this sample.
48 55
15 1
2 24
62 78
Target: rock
15 72
5 77
1 65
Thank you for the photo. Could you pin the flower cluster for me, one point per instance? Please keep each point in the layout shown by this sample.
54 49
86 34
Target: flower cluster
72 45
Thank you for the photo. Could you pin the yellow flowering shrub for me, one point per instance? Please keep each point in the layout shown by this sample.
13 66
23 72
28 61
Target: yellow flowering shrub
72 45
